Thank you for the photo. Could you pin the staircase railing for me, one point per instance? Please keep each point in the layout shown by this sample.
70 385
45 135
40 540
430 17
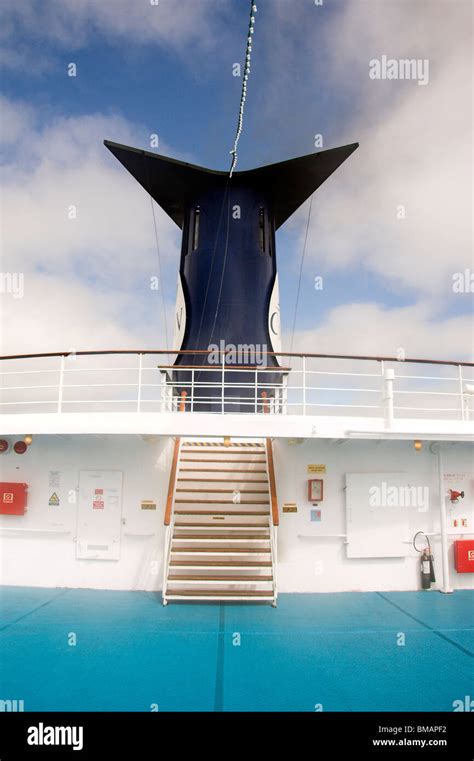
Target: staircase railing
274 517
169 514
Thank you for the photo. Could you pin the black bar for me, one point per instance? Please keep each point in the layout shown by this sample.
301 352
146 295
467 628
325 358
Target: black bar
160 735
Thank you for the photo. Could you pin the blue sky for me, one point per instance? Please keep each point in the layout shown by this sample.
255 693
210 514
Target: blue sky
167 69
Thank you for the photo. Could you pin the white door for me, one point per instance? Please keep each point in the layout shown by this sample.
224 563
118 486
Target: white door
375 530
99 514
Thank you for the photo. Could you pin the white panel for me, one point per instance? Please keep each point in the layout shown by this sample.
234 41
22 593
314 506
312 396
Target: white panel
179 317
99 514
274 319
377 528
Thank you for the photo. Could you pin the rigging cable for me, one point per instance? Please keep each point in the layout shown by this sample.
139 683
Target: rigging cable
223 271
160 269
212 263
301 271
161 282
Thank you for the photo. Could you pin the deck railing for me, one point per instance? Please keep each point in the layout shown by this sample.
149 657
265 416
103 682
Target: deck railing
301 384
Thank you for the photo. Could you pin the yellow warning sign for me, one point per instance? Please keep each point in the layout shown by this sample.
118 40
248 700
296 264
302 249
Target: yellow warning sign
54 500
316 468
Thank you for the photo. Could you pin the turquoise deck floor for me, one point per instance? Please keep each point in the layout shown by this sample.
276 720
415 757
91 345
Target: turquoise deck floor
338 650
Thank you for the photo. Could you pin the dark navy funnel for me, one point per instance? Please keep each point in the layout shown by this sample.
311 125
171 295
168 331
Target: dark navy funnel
228 284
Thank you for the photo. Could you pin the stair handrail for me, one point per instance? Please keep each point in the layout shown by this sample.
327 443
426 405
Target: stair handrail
169 514
272 483
271 467
274 505
172 482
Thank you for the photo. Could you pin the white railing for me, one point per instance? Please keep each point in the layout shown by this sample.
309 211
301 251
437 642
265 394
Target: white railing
137 381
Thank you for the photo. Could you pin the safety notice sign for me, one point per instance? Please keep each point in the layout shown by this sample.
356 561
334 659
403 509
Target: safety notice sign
98 499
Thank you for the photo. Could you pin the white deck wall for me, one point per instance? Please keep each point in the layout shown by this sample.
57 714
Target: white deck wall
31 556
320 564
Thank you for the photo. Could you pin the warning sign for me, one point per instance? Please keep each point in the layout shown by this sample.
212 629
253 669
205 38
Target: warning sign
54 500
316 468
98 500
290 507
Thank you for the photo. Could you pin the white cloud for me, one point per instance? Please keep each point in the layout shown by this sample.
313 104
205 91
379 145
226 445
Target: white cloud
87 280
415 141
65 164
70 23
369 329
57 314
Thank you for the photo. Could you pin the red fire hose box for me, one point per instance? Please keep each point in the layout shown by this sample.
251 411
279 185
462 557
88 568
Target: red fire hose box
464 555
12 498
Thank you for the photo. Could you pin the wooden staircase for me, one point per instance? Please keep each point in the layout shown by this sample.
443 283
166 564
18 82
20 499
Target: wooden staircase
221 522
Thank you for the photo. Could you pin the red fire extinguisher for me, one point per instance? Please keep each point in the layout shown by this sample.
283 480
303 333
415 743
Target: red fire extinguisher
426 562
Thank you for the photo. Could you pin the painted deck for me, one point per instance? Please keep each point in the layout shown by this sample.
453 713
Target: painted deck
338 650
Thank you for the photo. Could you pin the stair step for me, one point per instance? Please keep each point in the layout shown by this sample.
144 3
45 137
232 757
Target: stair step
221 480
221 537
218 526
220 564
219 593
206 460
222 491
231 453
243 444
220 470
222 512
221 550
237 579
220 502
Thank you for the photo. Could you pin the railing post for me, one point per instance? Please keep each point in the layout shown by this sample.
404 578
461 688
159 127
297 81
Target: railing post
304 385
388 377
256 390
61 384
443 524
461 391
192 390
139 393
222 383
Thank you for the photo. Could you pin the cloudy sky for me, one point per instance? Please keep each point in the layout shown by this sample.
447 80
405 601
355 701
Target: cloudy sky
388 231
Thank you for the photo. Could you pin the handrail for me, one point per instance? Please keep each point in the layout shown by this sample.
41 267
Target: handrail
172 483
271 477
269 353
271 468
